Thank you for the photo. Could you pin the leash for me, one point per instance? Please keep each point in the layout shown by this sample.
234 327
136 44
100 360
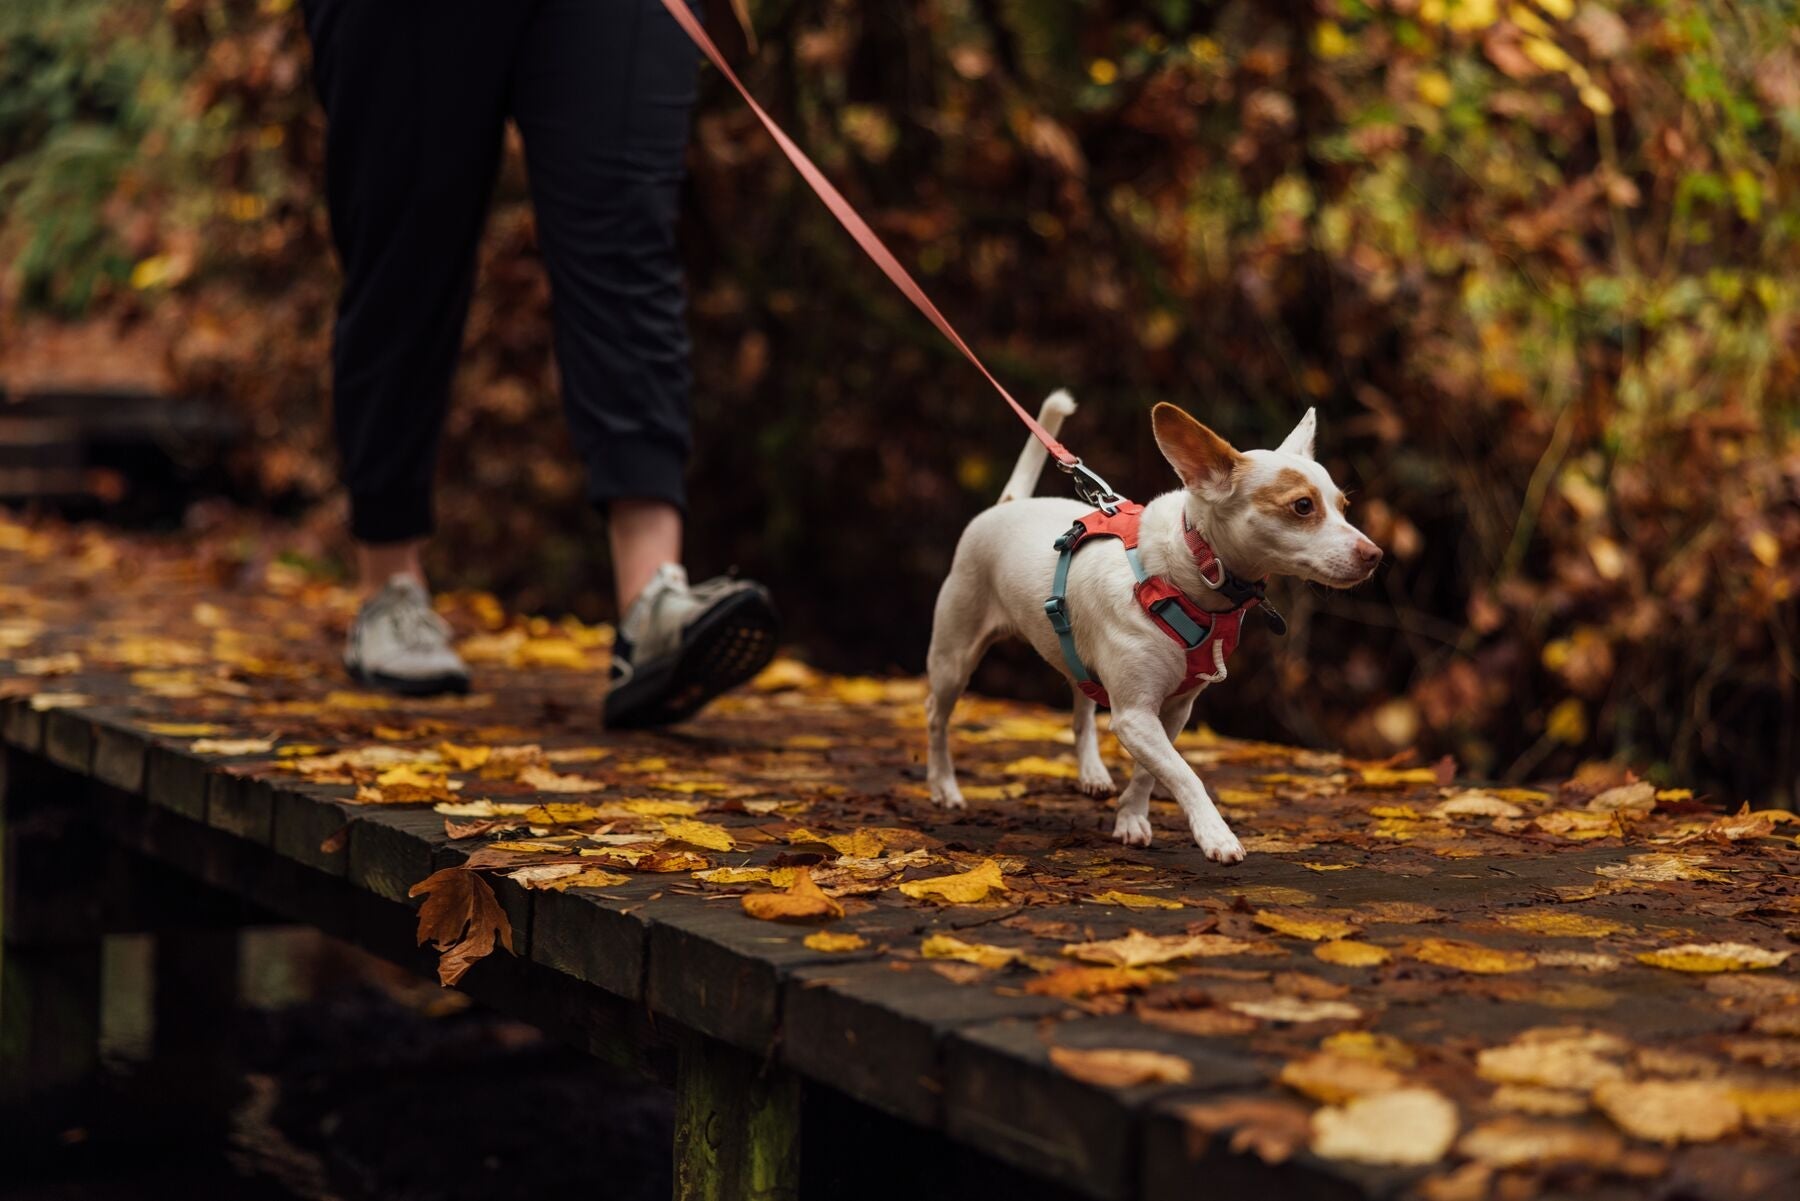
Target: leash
1089 486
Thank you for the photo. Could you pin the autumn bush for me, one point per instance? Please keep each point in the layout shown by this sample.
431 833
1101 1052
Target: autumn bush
1537 264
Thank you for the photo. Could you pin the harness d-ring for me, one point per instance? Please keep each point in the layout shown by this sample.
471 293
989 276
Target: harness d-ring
1219 583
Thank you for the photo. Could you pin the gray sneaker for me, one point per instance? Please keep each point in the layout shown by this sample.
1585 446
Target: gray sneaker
399 644
679 647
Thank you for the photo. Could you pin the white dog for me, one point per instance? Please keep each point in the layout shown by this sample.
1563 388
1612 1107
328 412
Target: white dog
1261 512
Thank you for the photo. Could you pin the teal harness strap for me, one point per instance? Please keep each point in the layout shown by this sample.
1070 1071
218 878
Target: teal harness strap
1057 607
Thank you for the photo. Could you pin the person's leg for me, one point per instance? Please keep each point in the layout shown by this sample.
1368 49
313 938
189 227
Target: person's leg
415 99
603 96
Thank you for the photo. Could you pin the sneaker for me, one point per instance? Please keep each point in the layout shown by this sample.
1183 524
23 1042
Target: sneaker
399 644
679 647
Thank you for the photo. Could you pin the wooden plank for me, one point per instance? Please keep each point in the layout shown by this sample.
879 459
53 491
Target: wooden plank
22 726
1003 1094
737 1126
392 849
120 755
876 1033
594 937
176 780
69 740
719 972
240 805
311 826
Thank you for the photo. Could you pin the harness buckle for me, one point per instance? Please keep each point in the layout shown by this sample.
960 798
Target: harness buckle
1057 610
1070 537
1219 583
1091 488
1192 633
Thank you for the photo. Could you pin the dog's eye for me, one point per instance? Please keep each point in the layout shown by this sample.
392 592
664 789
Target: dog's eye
1304 506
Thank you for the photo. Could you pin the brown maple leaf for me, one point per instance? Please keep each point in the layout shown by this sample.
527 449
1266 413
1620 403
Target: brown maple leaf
461 918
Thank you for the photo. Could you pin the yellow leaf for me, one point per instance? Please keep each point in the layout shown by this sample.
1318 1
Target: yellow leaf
1387 777
465 758
1350 953
1714 957
1434 88
698 833
1655 869
1766 547
1096 981
1314 929
656 807
586 877
1298 1009
1670 1111
1120 1067
1333 1077
835 943
1131 900
735 875
963 888
1366 1044
1557 924
562 813
1557 1057
946 946
1567 723
801 903
783 675
545 780
1137 949
1037 765
231 746
181 729
1472 957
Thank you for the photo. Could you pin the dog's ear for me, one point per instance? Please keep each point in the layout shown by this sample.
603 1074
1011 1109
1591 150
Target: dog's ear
1300 442
1200 457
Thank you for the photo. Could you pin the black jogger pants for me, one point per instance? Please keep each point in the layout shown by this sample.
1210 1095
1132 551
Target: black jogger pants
416 95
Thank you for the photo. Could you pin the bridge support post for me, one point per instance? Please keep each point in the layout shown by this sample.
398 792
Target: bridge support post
737 1126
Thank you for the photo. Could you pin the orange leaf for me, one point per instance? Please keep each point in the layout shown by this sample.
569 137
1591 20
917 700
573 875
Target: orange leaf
461 919
801 903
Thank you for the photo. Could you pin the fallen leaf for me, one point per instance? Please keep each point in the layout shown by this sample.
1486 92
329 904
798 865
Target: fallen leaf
1096 981
543 779
461 918
1655 869
1350 953
1037 765
1562 1057
1670 1111
1535 1099
698 833
1200 1023
1367 1044
1713 957
1334 1078
1137 949
801 903
1558 924
834 942
1131 900
1405 1126
947 946
1270 1129
963 888
1637 798
1314 929
1121 1067
1476 804
1512 1142
1471 957
231 746
1298 1009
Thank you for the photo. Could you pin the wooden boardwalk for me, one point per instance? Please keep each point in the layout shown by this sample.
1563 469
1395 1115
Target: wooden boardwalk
1412 987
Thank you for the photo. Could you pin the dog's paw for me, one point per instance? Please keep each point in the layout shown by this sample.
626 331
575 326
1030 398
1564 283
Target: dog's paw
1132 829
946 794
1220 846
1095 781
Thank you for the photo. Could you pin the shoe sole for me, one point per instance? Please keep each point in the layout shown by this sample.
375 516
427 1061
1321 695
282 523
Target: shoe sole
725 647
432 686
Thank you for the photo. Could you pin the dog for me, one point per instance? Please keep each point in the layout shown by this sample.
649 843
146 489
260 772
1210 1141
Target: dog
1260 512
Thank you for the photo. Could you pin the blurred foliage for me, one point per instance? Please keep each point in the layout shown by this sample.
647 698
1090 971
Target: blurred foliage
1537 263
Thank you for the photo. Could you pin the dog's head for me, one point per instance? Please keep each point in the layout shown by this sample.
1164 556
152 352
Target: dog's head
1266 512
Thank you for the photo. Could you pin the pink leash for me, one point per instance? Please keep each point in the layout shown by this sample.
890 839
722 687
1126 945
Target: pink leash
1090 486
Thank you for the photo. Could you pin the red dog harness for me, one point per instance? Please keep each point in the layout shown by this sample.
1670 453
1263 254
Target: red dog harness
1208 638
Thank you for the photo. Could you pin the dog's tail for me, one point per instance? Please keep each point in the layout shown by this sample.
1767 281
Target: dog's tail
1023 481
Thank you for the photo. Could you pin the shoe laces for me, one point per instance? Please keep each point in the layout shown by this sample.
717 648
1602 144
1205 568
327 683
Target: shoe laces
415 625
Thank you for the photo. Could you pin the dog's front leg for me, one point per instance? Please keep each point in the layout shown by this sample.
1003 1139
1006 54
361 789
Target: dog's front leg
1132 826
1140 729
1094 779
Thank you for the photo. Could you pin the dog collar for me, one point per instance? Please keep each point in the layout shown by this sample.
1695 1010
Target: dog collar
1221 579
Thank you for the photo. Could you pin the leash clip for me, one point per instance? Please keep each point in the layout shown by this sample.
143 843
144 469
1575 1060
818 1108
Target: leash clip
1091 488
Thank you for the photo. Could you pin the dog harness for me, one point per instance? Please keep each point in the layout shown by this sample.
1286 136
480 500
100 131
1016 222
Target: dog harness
1208 638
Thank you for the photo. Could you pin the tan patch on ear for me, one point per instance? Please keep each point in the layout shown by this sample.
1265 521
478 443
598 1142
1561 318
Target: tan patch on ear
1196 453
1277 497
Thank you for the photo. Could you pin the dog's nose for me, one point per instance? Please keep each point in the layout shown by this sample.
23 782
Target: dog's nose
1366 552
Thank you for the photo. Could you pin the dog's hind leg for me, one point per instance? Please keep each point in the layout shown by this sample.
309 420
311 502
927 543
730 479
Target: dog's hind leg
1094 780
1132 825
960 635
